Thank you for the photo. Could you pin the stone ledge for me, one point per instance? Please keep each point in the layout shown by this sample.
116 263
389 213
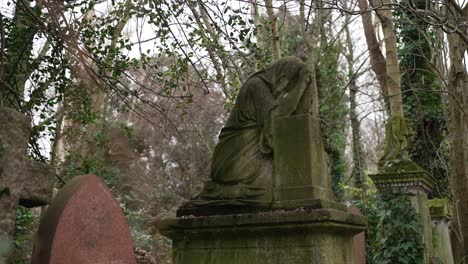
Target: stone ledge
299 219
288 193
226 208
418 179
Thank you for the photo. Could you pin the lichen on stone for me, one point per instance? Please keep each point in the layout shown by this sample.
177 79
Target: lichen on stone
397 132
395 158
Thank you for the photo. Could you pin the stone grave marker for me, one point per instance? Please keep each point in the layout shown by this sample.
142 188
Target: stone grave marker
83 225
359 240
268 200
22 181
441 220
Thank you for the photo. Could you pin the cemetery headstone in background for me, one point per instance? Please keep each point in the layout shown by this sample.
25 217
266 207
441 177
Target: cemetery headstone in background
359 240
22 181
83 225
441 218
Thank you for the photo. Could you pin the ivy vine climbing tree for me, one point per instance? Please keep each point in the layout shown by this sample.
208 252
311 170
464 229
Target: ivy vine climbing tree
422 95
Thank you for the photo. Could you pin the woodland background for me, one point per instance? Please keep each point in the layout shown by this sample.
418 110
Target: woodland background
136 91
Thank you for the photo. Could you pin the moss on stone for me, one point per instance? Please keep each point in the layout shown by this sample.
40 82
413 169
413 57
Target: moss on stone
397 132
400 166
439 208
286 237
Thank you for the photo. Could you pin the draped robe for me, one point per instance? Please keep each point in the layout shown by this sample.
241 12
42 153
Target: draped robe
242 162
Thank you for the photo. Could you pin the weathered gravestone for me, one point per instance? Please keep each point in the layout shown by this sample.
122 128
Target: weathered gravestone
359 240
268 199
398 173
441 218
83 225
22 181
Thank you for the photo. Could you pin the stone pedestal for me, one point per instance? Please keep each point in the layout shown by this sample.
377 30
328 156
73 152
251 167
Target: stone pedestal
319 236
301 174
301 163
440 215
302 224
417 184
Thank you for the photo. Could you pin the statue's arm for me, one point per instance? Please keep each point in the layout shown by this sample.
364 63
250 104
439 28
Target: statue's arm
304 105
262 99
294 99
264 103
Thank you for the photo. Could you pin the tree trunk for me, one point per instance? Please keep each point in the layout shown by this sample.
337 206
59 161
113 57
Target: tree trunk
100 99
458 89
256 19
275 40
310 60
393 81
210 47
359 160
377 59
233 75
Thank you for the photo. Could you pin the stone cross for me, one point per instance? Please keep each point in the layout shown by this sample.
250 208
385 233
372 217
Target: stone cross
22 181
84 224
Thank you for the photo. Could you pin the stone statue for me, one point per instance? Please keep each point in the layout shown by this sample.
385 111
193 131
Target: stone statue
396 141
395 158
242 163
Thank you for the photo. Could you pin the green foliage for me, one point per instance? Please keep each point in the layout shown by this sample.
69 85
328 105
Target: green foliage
337 160
19 63
393 233
422 102
98 161
334 111
24 219
24 230
137 221
398 231
365 199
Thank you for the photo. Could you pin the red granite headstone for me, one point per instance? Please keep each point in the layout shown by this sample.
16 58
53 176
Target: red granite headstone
83 225
359 240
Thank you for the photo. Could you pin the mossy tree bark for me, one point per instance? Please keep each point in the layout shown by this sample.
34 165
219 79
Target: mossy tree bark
458 88
392 79
388 73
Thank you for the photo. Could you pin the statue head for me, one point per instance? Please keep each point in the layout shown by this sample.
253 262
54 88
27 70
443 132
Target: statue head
286 74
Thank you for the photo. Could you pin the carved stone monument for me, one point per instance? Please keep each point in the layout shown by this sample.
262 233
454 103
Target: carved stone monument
441 218
268 199
22 181
83 225
398 173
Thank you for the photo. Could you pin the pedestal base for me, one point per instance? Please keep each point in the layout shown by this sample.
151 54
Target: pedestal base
417 184
318 236
287 205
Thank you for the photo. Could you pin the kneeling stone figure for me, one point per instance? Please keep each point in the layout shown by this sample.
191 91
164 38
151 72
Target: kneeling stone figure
242 163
